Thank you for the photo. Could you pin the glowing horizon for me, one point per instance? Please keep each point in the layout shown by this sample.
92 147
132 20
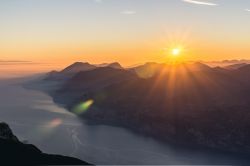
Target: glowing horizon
61 32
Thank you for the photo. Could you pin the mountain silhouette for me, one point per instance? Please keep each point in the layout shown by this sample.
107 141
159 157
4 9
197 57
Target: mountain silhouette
91 81
235 66
115 65
14 152
150 69
99 77
187 103
77 67
69 71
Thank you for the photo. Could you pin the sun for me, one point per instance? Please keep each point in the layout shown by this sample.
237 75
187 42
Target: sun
176 51
174 54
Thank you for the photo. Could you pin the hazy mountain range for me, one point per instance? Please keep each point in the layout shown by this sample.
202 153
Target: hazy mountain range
187 103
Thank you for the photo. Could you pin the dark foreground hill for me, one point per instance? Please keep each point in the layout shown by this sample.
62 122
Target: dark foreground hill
189 104
14 152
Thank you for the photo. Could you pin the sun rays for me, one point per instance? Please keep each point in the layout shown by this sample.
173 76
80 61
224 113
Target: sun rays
174 55
185 82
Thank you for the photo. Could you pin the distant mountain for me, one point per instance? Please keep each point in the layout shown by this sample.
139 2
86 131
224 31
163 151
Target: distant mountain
115 65
235 66
98 78
197 67
14 152
226 62
77 67
102 65
243 74
150 69
186 103
178 106
220 69
244 68
69 71
90 81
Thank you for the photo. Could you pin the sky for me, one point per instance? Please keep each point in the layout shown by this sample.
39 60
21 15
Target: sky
127 31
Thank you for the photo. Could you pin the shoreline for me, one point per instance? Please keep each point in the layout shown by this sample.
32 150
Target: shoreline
177 145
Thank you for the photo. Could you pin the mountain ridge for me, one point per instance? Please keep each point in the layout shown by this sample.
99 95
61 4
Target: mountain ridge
168 102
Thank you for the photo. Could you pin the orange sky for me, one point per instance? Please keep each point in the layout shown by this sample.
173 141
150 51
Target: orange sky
53 34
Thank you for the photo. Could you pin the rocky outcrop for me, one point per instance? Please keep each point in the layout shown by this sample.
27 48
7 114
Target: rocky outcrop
6 133
14 152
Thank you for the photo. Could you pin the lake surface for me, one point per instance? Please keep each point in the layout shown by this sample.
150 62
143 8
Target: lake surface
34 117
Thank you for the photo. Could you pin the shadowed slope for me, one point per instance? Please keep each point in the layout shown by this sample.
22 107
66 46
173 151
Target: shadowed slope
85 82
70 71
187 103
14 152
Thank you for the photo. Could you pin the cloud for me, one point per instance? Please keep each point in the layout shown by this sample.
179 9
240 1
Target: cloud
200 2
128 12
16 62
248 10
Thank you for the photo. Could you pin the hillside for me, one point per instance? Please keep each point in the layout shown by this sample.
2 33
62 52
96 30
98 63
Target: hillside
84 82
189 103
69 71
14 152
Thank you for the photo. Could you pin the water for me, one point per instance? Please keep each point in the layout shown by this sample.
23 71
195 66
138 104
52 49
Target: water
34 117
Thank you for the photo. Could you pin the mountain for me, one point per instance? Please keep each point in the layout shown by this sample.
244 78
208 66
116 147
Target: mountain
102 65
69 71
235 66
178 107
220 69
243 74
115 65
93 80
98 78
14 152
185 103
77 67
225 63
150 69
244 69
197 66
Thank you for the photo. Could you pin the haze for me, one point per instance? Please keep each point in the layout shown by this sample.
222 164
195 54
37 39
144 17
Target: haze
130 32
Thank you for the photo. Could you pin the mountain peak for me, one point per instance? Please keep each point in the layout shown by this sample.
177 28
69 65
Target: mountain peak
77 67
198 66
80 63
115 65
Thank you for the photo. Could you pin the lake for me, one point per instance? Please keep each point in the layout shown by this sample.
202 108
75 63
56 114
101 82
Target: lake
34 118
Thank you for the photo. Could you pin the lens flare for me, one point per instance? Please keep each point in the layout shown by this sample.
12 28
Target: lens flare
44 131
83 107
55 122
